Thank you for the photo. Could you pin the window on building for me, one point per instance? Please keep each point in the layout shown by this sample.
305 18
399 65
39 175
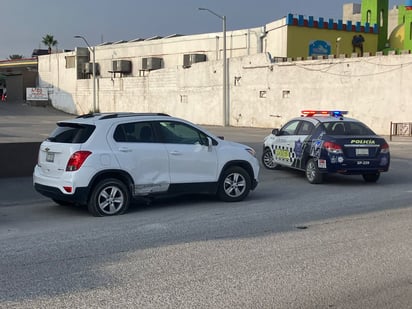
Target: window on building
184 98
70 62
262 94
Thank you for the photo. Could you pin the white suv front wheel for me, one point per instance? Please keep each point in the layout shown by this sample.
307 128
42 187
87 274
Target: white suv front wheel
109 197
235 184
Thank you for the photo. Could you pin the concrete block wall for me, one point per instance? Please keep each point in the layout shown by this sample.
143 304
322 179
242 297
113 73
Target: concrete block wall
374 89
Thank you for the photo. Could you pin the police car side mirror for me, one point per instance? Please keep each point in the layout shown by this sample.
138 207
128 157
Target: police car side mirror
275 131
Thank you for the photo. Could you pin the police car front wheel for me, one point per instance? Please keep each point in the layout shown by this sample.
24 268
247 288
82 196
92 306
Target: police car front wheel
268 160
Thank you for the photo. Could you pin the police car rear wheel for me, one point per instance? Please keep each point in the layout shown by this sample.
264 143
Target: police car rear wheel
267 160
371 177
313 174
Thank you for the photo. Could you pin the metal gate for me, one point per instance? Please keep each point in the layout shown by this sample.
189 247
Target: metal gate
401 129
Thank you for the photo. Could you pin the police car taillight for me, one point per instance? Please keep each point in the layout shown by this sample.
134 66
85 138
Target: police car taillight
385 148
333 147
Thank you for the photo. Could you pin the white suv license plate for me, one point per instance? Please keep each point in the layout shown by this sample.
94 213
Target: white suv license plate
362 152
50 157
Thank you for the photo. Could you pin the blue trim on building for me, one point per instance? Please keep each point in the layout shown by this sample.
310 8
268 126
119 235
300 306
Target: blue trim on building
319 23
301 20
310 22
340 24
330 24
289 19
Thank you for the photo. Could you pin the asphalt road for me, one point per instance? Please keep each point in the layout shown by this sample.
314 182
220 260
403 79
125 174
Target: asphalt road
21 122
342 244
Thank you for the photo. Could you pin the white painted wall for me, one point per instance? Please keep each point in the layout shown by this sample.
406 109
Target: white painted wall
171 50
373 89
276 38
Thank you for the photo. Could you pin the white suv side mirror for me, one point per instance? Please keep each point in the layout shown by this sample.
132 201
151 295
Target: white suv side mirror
209 144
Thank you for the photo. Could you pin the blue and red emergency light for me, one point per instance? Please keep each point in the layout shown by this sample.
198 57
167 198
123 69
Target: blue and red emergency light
333 113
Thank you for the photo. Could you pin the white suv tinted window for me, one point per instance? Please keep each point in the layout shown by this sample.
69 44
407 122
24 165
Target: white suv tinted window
71 133
135 132
180 133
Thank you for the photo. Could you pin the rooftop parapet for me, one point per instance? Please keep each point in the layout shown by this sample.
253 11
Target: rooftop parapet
331 24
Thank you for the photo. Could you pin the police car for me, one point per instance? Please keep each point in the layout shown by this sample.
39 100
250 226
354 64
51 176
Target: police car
322 142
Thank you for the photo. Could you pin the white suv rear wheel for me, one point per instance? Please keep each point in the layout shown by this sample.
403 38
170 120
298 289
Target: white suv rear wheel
109 197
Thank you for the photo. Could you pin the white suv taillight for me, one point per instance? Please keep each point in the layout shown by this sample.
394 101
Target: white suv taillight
76 160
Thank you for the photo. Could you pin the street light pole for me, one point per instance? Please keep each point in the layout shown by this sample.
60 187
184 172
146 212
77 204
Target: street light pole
225 86
338 39
92 49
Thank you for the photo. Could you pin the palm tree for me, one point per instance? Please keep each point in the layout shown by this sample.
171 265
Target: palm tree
49 41
15 56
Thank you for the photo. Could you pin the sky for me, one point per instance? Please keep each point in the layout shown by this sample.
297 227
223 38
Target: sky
24 23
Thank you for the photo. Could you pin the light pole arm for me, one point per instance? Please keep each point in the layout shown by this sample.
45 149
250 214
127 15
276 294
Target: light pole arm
210 11
226 109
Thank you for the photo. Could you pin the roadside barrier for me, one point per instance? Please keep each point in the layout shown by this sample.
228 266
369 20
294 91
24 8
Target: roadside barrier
18 159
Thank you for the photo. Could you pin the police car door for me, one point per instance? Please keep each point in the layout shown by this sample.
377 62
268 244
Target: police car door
283 146
302 143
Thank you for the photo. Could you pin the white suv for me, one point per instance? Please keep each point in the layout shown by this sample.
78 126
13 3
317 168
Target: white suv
105 160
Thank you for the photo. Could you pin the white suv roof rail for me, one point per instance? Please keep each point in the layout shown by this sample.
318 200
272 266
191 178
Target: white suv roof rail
117 115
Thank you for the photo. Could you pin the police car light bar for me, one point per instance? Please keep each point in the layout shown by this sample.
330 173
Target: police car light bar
335 113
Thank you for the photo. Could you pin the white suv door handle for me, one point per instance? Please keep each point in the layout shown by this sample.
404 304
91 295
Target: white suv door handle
175 153
125 149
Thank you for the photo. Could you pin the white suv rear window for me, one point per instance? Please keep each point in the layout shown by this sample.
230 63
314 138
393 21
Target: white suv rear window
71 133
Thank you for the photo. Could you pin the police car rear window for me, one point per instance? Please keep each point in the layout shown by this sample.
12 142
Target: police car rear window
347 128
71 133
